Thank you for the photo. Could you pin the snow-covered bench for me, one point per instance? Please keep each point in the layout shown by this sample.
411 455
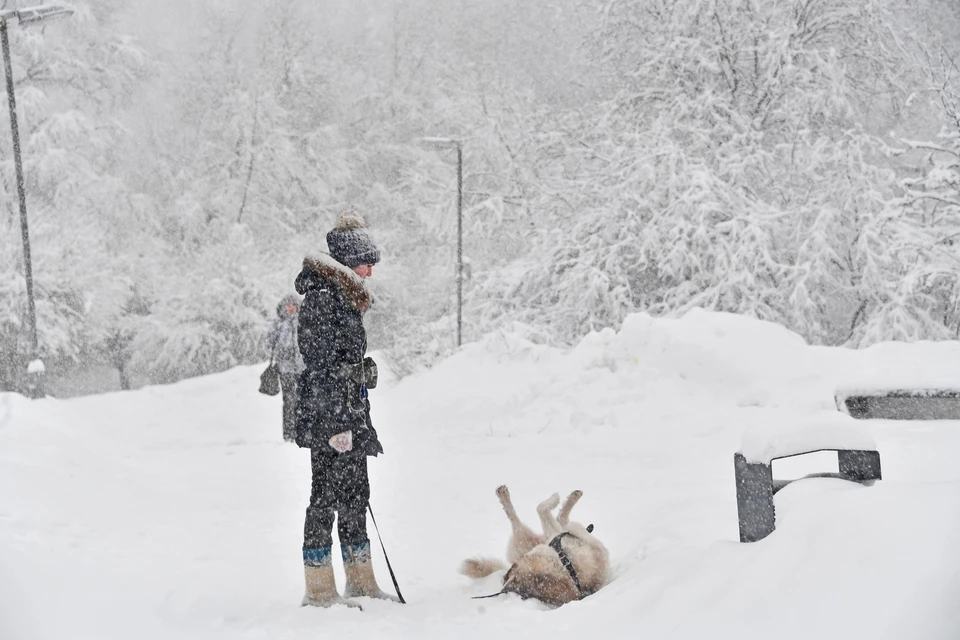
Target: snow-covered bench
857 460
900 403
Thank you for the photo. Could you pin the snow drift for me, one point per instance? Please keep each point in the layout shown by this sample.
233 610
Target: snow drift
176 511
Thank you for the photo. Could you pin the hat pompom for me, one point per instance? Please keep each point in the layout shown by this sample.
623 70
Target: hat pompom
350 219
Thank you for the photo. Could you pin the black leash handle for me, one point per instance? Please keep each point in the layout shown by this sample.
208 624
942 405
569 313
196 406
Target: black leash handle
389 568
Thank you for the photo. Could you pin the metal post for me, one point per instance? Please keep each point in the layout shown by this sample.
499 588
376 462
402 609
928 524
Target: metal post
446 143
35 384
459 244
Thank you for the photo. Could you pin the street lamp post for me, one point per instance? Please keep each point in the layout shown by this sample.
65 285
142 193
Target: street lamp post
25 16
446 143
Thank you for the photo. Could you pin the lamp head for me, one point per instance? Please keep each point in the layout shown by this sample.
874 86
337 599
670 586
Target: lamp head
442 143
40 13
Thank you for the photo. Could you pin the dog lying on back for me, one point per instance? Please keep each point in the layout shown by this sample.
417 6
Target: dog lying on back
563 564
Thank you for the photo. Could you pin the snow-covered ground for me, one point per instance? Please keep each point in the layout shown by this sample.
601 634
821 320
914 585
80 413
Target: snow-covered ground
176 511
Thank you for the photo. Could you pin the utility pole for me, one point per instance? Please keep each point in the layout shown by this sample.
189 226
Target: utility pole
35 368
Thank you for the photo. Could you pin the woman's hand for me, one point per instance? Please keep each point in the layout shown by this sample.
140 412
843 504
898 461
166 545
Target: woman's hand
342 442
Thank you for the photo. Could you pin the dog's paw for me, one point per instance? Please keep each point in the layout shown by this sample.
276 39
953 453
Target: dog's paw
550 503
503 492
564 516
571 500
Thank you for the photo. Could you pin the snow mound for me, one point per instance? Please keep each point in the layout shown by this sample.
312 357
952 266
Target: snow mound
177 511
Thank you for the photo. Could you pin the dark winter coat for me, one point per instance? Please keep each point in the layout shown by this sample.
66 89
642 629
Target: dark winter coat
331 337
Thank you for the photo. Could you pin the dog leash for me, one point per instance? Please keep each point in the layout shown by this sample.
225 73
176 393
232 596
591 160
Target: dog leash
389 568
506 581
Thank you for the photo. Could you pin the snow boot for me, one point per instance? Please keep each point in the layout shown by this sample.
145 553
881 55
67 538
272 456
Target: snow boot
321 584
358 566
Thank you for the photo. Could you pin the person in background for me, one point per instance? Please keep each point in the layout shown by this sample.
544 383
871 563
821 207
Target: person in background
281 341
333 417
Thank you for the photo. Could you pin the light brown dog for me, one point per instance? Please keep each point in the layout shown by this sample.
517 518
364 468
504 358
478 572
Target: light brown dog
563 564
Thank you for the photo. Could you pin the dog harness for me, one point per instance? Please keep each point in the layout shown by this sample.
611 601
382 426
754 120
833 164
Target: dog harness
555 544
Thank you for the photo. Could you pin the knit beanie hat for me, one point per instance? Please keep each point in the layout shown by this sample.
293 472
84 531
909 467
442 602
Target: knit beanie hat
350 243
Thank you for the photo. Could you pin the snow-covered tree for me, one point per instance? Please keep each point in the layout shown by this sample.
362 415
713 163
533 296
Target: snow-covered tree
618 156
733 131
926 301
71 78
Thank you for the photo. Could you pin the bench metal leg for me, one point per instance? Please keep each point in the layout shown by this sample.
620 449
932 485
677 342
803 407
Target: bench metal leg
754 499
859 466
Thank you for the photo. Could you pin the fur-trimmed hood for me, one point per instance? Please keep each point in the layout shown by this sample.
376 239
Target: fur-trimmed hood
323 267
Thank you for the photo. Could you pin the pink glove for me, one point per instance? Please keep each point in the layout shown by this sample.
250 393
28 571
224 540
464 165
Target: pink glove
342 442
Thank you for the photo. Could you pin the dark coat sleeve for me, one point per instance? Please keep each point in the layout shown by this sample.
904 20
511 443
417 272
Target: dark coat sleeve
320 334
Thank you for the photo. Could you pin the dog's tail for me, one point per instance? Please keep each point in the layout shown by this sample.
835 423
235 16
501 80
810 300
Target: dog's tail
481 567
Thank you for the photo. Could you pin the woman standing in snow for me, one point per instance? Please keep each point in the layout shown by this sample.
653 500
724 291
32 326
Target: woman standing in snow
281 340
333 415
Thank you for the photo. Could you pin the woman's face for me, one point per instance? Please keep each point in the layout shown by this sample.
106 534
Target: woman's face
363 270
